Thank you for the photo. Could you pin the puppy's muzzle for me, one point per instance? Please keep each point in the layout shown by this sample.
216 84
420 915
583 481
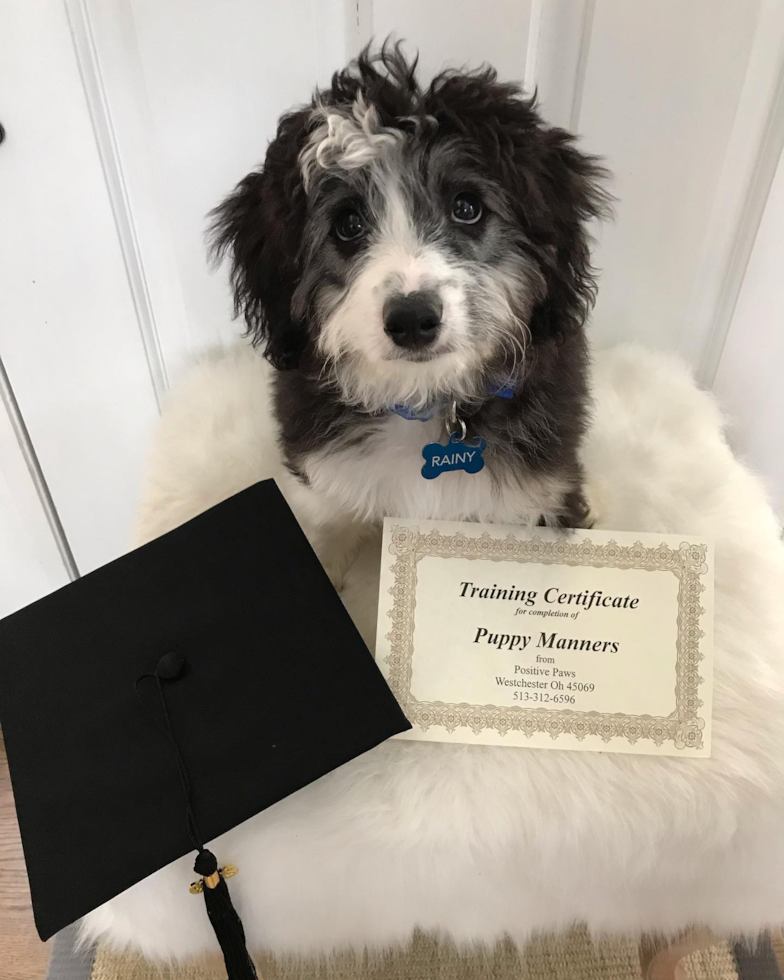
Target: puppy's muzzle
413 321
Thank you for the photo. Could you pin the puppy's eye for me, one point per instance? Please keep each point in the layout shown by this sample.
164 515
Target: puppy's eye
349 225
467 208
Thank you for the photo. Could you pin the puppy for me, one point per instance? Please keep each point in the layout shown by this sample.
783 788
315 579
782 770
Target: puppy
415 262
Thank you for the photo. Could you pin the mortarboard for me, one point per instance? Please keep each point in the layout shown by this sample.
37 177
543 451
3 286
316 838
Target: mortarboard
156 703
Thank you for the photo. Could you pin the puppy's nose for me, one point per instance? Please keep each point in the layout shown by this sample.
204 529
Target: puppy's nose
412 321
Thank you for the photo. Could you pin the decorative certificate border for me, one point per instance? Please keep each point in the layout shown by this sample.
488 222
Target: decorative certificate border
683 728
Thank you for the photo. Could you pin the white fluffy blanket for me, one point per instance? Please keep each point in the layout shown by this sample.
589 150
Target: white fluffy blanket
475 841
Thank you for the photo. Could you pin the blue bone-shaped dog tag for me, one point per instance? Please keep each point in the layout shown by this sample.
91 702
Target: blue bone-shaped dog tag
455 455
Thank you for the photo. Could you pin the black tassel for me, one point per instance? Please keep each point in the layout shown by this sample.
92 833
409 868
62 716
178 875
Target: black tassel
222 914
224 919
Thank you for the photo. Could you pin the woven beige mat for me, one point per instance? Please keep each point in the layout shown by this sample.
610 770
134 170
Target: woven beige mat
705 964
572 956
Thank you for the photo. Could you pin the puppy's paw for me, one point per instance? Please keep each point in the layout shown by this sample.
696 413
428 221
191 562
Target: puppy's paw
596 502
336 574
336 548
592 516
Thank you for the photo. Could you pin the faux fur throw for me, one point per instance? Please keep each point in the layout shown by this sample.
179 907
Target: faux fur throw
475 841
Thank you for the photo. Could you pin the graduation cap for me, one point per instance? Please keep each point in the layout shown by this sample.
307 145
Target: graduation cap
156 703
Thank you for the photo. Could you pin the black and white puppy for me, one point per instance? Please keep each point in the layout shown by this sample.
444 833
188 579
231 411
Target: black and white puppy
415 260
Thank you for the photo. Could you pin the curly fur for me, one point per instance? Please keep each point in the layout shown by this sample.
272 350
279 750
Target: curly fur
514 290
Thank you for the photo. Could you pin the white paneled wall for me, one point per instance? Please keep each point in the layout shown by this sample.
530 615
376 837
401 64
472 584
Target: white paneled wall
129 119
749 380
70 338
660 94
449 34
31 564
558 58
194 92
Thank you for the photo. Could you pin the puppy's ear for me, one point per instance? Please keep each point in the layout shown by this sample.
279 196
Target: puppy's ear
554 189
569 194
260 226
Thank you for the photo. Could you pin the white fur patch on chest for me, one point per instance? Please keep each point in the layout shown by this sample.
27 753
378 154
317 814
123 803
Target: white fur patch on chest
382 477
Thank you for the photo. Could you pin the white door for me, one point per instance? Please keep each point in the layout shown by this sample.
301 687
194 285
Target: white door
79 398
127 120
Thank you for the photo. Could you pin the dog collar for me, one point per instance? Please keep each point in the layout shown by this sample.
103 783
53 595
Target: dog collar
505 389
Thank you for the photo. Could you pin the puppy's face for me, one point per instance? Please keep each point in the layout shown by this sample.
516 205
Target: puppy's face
415 264
430 236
